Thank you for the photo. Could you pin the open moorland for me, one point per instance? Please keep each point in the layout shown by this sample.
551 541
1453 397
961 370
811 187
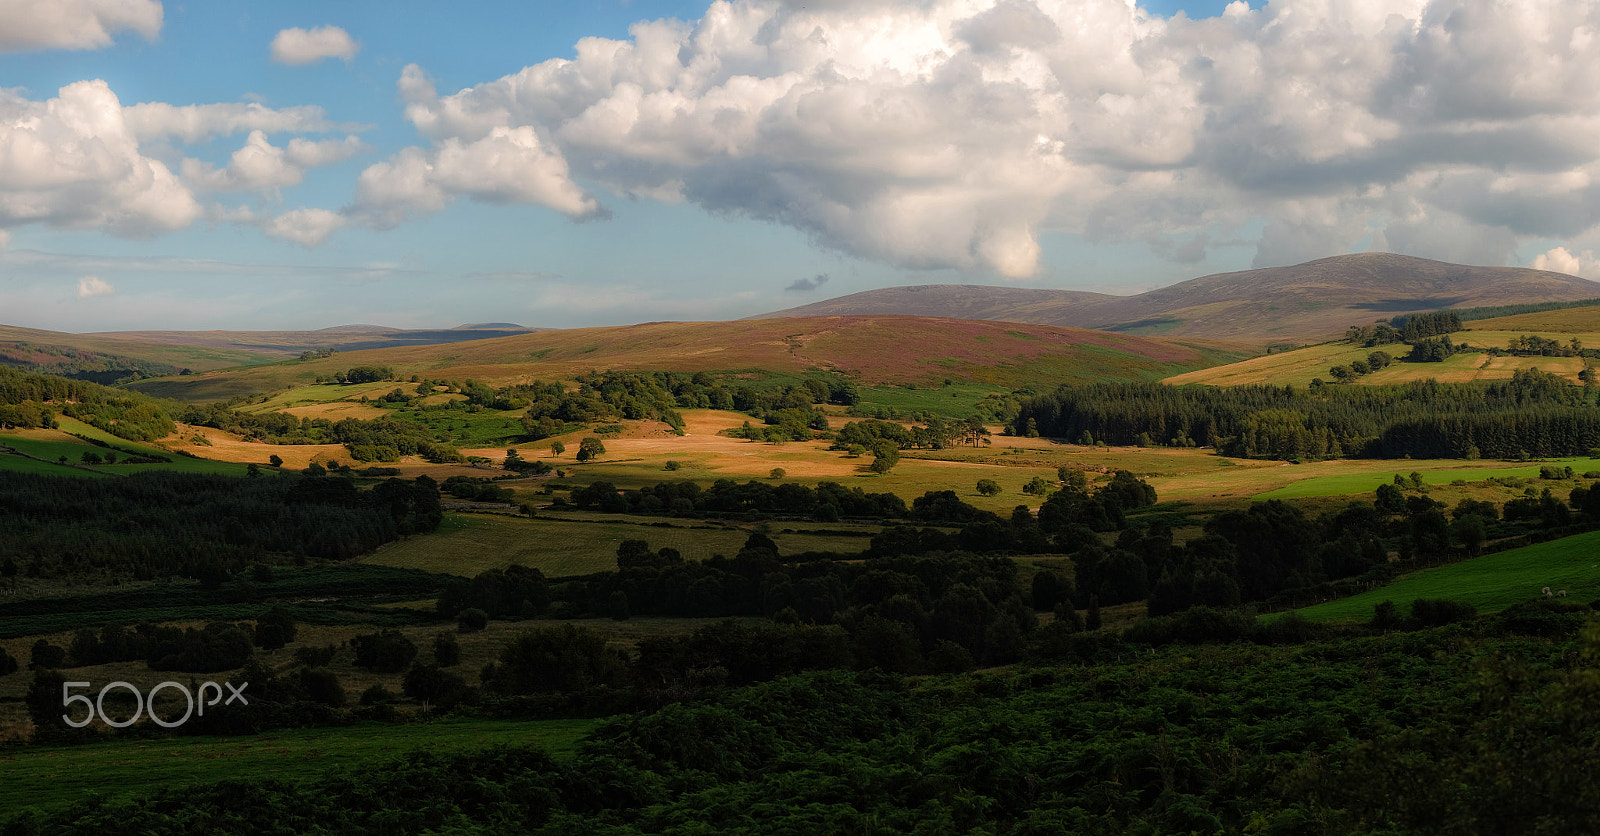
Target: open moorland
817 575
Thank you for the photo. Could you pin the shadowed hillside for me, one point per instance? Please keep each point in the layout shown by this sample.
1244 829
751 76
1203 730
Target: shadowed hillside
1302 303
873 349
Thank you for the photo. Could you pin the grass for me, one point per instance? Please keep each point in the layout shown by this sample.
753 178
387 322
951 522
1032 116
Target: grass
22 464
179 464
1301 366
1358 483
467 544
52 777
876 350
1491 583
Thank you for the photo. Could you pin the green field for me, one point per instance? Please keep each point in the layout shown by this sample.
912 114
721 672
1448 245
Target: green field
23 464
48 777
467 544
1345 484
1491 583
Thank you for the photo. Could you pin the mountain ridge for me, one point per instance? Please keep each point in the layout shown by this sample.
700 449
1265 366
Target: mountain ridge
1295 303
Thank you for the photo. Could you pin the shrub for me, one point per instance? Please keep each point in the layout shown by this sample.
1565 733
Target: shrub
1436 612
472 620
323 686
386 651
446 650
316 657
377 694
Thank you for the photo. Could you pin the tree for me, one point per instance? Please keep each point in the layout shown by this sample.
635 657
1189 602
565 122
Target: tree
386 651
885 455
275 460
446 650
988 487
471 620
1037 486
557 448
589 448
778 473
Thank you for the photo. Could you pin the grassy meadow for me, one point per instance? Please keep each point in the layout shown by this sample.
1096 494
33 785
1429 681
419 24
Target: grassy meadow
557 545
1491 582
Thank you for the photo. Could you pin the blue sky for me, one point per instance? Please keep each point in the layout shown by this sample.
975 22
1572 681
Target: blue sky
426 165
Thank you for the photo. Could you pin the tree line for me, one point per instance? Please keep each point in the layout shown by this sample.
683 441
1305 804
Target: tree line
1534 412
159 524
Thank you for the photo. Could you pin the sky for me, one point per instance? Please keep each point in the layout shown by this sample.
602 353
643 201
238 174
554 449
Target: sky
300 165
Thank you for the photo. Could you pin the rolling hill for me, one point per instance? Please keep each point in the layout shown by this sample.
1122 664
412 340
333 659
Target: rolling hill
109 355
894 350
1297 304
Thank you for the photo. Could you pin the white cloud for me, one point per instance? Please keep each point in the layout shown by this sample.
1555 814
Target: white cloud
197 123
306 227
73 161
74 24
90 287
950 133
262 166
298 47
1560 261
506 165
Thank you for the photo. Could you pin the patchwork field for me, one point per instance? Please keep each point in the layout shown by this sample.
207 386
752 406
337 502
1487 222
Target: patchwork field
51 445
1301 366
1374 473
559 544
1491 583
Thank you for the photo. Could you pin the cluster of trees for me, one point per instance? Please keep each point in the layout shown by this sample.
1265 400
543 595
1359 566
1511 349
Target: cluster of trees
378 439
1435 350
937 434
1408 328
1535 346
828 501
31 400
1375 361
1535 411
156 524
357 374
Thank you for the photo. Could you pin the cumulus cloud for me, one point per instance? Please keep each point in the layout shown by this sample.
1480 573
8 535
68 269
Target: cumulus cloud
306 227
73 161
74 24
1560 261
262 166
91 286
808 285
951 133
297 47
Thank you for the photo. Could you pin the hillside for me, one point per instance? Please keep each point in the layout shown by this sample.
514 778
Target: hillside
1301 303
896 350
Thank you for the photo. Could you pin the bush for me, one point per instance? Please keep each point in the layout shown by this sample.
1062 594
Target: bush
446 650
1437 612
377 694
386 651
472 620
323 686
432 684
316 657
8 663
988 487
45 655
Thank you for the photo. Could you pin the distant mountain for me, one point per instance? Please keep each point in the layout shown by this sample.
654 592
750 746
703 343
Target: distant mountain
1302 303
